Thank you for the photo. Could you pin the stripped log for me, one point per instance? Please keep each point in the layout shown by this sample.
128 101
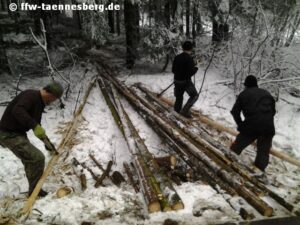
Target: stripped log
148 183
222 153
232 178
67 137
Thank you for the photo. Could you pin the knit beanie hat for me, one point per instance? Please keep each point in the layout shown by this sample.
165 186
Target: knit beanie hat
55 88
187 46
250 81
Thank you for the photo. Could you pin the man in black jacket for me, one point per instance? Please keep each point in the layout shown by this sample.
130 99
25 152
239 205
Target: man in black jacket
184 68
22 114
258 108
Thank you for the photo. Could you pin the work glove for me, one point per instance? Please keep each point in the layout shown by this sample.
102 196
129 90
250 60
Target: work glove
49 146
39 132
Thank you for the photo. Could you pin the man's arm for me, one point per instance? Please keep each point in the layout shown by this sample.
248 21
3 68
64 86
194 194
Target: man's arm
236 111
191 68
21 109
273 106
174 66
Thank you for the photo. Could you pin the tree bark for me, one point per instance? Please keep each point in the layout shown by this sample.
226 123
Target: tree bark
220 30
111 19
118 22
158 12
131 33
294 29
4 66
83 181
187 17
148 183
167 14
3 5
165 184
130 177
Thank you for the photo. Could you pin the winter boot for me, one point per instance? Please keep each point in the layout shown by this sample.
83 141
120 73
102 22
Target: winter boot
42 193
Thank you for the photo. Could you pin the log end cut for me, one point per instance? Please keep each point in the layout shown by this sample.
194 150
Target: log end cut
154 207
268 212
178 206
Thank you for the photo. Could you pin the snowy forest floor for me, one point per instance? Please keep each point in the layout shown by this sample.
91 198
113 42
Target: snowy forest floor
98 134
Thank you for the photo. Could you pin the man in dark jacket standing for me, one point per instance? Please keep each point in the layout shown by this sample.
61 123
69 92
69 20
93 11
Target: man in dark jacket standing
23 113
258 107
184 68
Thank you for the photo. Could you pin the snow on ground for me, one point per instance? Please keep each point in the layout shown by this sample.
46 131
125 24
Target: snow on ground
99 135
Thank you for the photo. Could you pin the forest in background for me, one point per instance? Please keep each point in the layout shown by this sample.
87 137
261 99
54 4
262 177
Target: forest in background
259 37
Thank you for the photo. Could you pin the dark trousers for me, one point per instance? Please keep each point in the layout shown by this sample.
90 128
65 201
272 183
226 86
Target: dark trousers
32 158
180 88
264 144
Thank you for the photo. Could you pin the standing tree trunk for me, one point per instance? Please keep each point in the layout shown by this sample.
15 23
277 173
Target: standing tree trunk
111 19
173 9
118 23
137 21
76 16
187 17
220 26
158 12
4 66
131 33
3 5
167 14
194 31
294 29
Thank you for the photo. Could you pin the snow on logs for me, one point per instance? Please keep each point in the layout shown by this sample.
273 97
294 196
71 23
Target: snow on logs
229 176
155 199
219 151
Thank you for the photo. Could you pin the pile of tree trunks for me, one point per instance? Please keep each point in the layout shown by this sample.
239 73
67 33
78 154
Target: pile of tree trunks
157 188
221 168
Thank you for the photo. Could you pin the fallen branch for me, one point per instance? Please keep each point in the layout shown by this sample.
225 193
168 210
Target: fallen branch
104 175
130 177
76 162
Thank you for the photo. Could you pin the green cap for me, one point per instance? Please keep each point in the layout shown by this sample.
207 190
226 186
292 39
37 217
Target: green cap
55 88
